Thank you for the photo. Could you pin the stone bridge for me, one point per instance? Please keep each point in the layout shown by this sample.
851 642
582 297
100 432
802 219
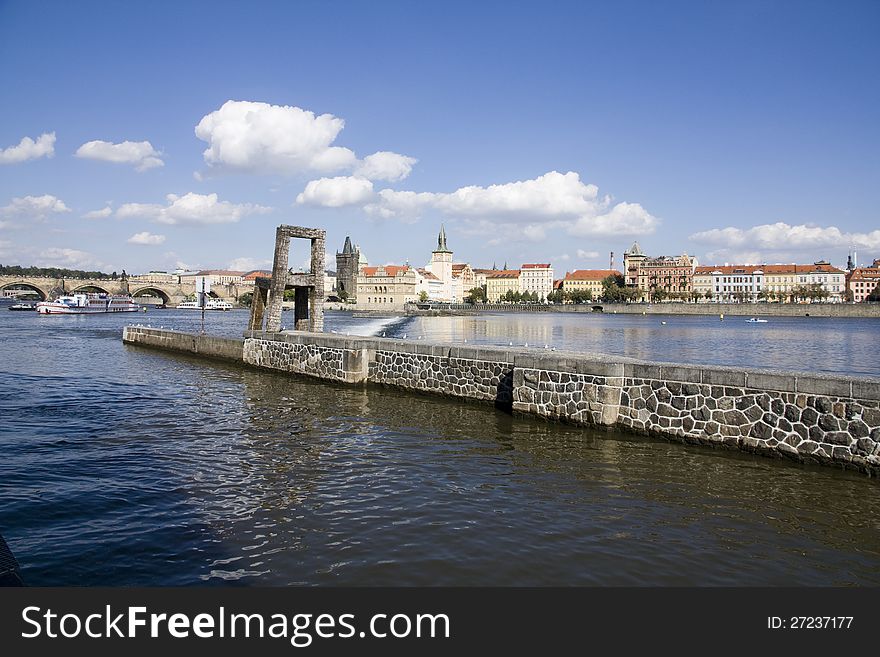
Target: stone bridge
46 288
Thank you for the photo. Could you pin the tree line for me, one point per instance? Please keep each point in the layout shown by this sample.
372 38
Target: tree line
55 272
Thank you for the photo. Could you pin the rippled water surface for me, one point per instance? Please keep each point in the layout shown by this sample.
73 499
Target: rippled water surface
125 466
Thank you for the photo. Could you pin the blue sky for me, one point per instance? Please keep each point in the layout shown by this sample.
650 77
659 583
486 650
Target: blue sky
552 131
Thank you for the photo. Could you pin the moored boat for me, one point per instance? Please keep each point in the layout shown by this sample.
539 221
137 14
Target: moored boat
23 306
87 304
210 304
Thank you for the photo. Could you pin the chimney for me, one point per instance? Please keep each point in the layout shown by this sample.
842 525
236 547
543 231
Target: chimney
611 264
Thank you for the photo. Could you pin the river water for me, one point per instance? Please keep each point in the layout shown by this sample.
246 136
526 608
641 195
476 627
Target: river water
127 466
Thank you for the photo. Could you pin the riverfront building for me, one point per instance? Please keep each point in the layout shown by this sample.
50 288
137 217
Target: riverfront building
862 281
536 278
587 280
429 284
500 283
386 287
480 276
441 266
671 275
783 283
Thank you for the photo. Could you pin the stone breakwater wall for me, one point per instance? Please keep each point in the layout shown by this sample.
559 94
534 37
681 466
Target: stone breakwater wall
813 418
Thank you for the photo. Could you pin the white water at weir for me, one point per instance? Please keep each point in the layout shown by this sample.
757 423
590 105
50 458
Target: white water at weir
374 327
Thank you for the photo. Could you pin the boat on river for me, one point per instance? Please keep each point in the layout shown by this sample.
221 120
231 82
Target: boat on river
88 304
755 320
23 306
210 304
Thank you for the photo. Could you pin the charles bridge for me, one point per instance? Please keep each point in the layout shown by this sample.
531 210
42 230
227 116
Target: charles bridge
46 287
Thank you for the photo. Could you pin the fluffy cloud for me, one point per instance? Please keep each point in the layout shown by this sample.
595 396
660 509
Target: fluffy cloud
587 255
28 149
139 153
58 257
524 209
385 165
103 213
34 207
191 208
263 138
147 239
250 264
336 192
782 236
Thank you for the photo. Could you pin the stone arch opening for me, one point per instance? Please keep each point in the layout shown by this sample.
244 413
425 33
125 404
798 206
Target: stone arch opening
27 290
151 294
90 289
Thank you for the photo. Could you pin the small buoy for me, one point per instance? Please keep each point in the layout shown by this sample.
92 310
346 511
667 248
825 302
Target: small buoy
722 317
509 344
664 323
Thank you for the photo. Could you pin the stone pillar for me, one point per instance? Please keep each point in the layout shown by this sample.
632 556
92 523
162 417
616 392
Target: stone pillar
316 294
301 313
279 280
258 307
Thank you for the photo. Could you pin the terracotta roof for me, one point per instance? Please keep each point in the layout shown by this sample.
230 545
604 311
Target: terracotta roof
865 273
458 267
426 274
505 273
220 272
770 269
590 274
257 273
390 270
485 271
557 284
536 266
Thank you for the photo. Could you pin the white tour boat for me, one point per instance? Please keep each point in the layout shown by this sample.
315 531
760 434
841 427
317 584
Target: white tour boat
210 304
87 304
755 320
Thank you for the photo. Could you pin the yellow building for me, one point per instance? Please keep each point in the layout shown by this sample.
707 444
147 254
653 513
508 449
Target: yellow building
587 280
500 282
386 287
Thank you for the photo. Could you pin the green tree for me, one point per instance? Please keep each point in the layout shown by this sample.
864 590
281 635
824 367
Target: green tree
423 296
874 297
246 299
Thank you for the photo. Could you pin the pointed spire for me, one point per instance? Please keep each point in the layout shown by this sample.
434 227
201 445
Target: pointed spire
505 265
441 239
347 250
494 268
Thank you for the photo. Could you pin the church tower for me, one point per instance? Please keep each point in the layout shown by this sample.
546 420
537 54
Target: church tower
347 265
441 263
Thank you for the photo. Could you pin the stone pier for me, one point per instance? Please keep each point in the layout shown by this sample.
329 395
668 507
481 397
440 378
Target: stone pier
808 417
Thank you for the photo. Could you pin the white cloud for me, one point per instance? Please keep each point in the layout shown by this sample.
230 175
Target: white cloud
407 206
147 239
28 149
250 264
524 210
782 236
103 213
587 255
622 219
191 208
139 153
385 165
73 258
263 138
34 207
336 192
5 224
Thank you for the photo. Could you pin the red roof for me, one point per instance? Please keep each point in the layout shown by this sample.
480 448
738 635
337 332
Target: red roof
505 273
257 273
771 269
389 270
536 266
591 274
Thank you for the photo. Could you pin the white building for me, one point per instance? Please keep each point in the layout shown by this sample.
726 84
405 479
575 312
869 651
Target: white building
441 266
536 278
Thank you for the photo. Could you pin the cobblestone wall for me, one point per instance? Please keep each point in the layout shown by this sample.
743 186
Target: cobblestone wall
807 417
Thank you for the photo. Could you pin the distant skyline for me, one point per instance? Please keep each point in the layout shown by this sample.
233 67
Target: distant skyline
164 134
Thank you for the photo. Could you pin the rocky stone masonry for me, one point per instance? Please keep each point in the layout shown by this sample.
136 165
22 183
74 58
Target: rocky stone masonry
484 380
308 359
807 417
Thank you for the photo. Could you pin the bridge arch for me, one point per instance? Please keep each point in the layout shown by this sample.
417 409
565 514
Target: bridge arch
90 287
152 291
26 287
